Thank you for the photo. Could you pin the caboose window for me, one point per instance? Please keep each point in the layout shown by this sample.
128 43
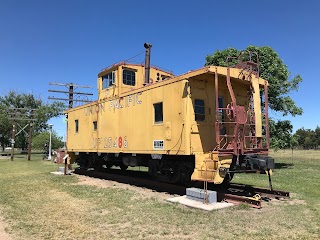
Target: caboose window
158 112
199 110
95 125
129 77
108 80
76 125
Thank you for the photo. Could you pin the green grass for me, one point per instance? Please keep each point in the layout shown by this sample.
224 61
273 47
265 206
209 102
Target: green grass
38 205
299 175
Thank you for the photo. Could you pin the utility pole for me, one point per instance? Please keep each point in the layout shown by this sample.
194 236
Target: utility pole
71 93
71 96
30 140
49 157
12 140
21 114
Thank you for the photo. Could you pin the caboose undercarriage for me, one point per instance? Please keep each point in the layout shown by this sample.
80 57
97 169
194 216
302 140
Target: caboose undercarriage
174 169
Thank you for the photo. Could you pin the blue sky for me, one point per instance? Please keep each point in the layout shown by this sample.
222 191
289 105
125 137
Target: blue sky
66 41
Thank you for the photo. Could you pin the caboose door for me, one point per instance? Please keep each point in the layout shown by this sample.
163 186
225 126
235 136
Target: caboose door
202 116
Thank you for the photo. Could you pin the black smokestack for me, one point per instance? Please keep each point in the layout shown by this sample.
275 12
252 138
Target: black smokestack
147 63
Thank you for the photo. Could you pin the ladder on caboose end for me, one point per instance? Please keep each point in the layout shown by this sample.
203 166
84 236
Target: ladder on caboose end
243 139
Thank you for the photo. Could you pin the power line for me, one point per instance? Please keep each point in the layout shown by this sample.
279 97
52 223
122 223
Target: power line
80 93
71 93
21 114
69 84
67 99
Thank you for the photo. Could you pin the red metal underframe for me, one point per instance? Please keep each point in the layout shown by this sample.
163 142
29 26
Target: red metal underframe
242 120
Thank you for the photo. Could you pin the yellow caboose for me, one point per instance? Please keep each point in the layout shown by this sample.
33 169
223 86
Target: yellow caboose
203 125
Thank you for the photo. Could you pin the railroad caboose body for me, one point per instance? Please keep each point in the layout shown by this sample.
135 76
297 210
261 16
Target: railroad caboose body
202 125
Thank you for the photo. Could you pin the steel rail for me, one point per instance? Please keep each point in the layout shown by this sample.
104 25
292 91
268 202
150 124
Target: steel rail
262 191
236 199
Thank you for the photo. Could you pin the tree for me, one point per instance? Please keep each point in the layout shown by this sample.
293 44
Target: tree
301 134
317 136
308 138
293 141
280 134
273 70
4 130
293 144
307 144
40 139
43 113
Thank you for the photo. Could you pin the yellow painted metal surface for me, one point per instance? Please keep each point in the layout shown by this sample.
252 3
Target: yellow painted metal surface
125 116
208 165
257 107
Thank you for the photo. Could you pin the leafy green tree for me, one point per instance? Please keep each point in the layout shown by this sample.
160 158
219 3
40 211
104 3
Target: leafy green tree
4 130
307 144
294 141
43 113
307 138
40 139
317 136
293 144
280 134
301 134
271 69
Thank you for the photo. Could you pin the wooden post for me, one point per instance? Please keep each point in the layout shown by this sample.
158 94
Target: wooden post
71 95
30 141
12 141
65 166
65 158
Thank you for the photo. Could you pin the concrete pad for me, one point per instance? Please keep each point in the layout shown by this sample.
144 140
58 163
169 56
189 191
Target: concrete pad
57 173
61 171
200 205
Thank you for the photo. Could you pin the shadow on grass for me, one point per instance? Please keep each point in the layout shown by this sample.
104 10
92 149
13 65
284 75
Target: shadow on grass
135 178
283 165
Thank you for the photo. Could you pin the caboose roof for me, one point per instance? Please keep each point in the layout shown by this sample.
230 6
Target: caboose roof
125 64
235 73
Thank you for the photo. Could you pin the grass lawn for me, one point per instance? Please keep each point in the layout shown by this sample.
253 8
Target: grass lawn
35 204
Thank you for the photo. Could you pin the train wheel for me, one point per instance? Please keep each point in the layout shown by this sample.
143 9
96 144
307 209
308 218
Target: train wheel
227 179
98 166
108 166
96 163
185 175
123 167
83 162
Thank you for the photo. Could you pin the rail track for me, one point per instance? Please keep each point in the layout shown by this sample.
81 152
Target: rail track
240 193
233 193
265 192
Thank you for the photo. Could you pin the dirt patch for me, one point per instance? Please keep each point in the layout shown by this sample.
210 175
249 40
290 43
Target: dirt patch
284 201
3 226
141 193
297 202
